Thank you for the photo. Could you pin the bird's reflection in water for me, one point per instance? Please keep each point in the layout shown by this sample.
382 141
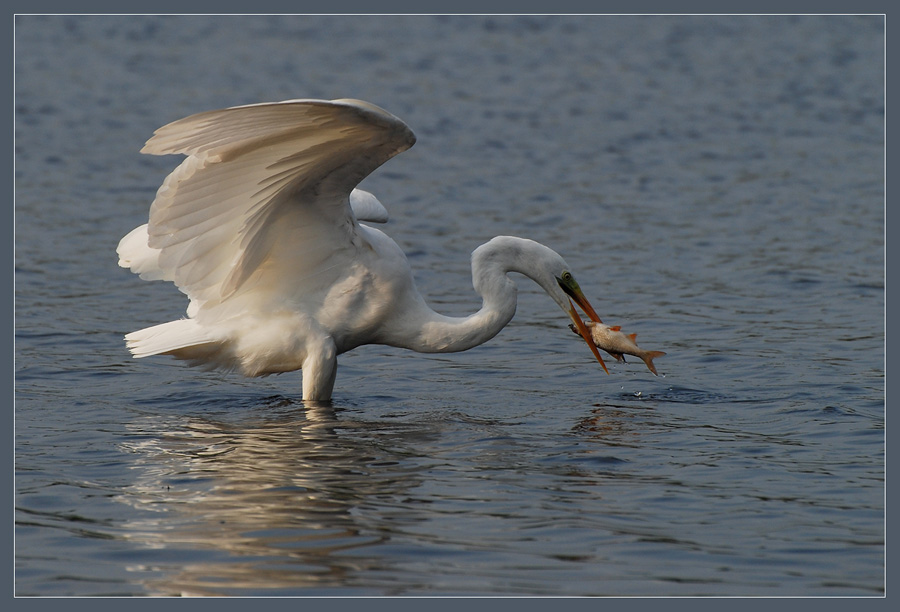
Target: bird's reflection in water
611 425
293 498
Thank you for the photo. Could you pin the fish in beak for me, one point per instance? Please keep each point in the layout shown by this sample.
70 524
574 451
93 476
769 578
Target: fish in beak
584 331
568 284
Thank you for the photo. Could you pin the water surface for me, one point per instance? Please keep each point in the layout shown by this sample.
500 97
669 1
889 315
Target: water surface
716 184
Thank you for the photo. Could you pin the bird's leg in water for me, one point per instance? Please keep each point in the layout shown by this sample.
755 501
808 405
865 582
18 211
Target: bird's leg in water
318 371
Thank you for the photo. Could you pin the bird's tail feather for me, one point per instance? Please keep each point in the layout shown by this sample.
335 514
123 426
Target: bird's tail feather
176 338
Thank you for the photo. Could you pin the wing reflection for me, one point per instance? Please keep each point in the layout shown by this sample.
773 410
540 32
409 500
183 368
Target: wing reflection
276 503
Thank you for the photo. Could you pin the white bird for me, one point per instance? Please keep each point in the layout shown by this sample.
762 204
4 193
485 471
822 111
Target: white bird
260 227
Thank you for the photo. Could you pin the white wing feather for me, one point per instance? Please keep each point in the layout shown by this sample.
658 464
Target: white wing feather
262 183
366 207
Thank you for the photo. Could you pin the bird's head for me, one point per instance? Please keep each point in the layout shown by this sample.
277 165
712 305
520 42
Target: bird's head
545 267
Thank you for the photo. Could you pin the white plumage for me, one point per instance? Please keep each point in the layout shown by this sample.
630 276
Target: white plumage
260 227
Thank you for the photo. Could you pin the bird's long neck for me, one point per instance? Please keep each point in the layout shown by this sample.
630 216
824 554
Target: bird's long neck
438 333
491 262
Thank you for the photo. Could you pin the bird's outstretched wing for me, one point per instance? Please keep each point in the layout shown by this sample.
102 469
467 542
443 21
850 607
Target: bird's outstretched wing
255 178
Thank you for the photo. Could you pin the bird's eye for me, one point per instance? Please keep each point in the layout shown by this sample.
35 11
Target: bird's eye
567 277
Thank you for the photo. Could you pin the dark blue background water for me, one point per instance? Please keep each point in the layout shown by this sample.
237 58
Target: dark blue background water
716 184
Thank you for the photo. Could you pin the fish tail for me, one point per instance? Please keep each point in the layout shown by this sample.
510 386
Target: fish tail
648 358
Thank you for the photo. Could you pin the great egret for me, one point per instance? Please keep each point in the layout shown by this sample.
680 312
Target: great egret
259 227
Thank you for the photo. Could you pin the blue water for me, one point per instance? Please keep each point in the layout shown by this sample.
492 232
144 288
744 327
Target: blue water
716 184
